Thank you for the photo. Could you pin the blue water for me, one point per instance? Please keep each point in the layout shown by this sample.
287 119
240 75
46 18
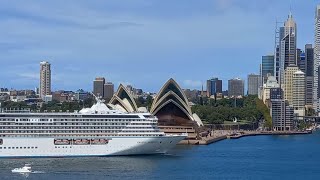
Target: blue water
260 157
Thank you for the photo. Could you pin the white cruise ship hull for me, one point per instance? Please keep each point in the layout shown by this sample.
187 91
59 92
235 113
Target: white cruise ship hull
32 147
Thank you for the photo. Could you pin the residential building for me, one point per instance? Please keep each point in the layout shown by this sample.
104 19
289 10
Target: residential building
45 79
282 115
254 82
235 87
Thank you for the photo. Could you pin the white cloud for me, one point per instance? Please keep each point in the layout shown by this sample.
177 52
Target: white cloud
29 75
192 83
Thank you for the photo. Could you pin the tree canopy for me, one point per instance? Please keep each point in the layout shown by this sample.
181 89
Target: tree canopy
248 108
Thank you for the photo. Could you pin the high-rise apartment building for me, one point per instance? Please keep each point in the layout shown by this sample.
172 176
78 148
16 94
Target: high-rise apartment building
235 87
288 82
45 79
316 61
254 82
282 115
267 67
98 85
214 85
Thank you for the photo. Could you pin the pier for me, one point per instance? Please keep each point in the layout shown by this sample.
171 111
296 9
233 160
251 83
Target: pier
219 135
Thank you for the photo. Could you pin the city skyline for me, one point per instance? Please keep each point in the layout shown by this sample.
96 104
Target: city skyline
124 44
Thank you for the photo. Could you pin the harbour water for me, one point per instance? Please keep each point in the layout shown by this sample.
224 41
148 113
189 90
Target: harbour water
260 157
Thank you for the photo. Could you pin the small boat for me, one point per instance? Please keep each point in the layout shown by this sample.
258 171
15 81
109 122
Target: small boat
25 169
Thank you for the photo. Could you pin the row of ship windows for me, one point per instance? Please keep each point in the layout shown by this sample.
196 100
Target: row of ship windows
19 147
70 128
75 124
59 127
53 132
75 127
62 147
104 135
151 142
85 120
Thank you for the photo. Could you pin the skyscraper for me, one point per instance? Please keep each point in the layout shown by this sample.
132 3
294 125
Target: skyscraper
298 92
288 47
45 79
235 87
316 60
267 67
108 91
214 85
309 74
98 85
309 56
301 60
288 82
254 82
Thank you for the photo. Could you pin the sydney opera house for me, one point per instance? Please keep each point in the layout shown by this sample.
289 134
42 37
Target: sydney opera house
171 106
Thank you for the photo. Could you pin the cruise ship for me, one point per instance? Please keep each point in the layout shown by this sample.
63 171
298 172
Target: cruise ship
95 131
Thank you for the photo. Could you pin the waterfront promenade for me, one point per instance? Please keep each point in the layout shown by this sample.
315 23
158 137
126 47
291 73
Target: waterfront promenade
218 135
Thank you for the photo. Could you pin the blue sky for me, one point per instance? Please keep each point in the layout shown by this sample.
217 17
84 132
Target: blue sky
141 42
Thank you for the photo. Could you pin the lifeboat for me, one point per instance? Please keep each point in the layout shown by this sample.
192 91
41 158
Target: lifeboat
81 142
61 142
99 141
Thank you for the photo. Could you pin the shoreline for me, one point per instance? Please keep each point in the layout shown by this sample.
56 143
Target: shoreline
222 135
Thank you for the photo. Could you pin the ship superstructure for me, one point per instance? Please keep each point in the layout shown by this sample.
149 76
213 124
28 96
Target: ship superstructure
95 131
